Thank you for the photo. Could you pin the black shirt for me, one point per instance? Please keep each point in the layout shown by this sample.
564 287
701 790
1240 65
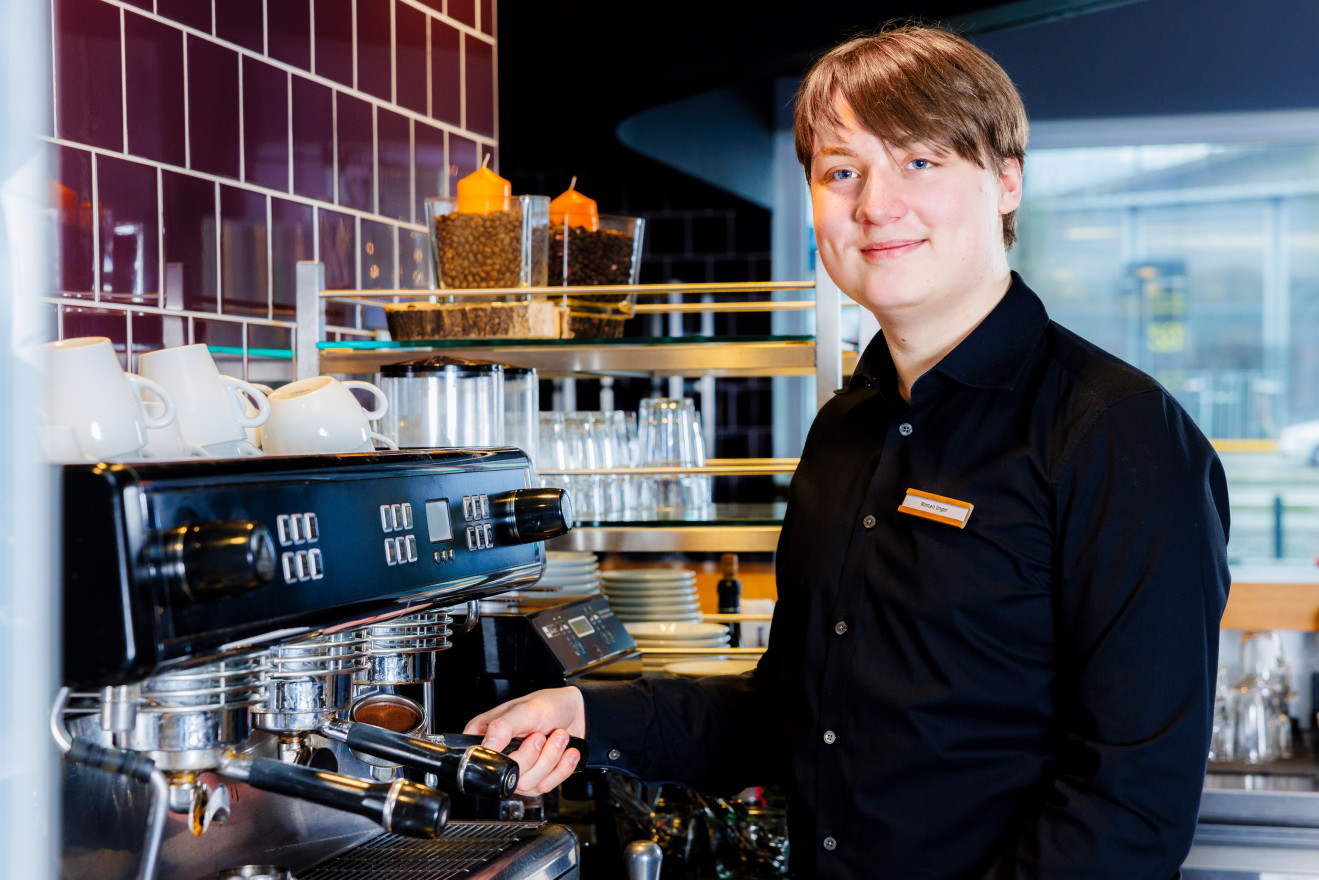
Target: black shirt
1027 696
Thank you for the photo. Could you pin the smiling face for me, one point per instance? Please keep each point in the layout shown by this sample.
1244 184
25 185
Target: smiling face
910 231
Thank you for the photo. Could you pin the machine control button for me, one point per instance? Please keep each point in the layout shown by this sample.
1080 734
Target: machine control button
315 567
471 538
297 529
489 535
311 527
396 511
282 529
467 508
485 506
384 518
451 554
300 565
480 538
411 546
290 574
407 516
391 552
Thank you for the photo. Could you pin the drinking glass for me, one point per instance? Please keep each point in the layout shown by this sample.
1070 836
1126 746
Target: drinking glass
551 451
666 438
1222 743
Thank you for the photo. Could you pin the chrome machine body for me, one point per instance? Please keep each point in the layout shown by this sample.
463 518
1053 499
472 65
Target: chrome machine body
239 640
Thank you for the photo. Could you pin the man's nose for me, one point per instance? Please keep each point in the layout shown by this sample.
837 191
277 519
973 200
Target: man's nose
881 201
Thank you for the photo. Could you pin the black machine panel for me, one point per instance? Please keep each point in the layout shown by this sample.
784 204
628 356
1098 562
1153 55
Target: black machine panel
176 560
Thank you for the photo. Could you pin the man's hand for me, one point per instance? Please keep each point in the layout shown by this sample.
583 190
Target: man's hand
545 719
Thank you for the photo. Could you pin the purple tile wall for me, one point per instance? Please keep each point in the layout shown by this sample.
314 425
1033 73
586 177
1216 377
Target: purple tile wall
201 149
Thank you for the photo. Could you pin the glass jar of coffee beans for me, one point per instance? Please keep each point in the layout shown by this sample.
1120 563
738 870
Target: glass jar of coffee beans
581 257
507 248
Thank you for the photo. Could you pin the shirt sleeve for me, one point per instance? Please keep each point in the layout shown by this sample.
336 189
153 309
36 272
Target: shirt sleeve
1141 579
714 735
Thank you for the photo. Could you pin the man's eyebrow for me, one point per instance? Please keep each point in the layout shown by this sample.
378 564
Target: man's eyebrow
833 151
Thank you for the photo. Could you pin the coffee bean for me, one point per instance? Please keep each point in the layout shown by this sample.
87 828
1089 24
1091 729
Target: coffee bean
479 250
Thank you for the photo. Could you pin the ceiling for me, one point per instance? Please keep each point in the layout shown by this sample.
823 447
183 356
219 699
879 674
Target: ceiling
570 69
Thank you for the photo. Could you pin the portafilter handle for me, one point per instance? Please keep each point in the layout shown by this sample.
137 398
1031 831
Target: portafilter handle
472 769
401 806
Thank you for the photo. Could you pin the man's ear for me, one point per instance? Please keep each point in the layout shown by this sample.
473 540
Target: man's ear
1009 186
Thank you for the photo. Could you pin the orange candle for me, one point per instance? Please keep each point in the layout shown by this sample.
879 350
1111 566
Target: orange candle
572 208
483 191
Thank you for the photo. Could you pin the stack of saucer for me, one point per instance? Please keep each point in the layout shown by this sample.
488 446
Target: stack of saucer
567 573
710 666
664 642
666 594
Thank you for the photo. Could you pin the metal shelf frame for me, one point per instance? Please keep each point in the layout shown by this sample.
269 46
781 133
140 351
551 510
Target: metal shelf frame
822 357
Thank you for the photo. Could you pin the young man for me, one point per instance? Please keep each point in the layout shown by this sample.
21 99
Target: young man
1004 559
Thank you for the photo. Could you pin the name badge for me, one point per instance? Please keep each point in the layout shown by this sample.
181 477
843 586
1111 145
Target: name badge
949 511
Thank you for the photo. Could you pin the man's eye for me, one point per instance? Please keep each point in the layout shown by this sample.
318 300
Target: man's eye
920 164
842 174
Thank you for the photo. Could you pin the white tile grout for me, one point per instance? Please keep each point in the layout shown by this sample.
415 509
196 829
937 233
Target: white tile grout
393 54
187 133
430 85
160 236
242 142
265 27
317 78
356 85
123 74
228 181
375 161
270 257
288 88
219 252
96 230
311 26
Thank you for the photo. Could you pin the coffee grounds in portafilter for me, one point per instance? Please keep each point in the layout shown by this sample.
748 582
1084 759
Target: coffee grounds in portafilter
594 256
479 250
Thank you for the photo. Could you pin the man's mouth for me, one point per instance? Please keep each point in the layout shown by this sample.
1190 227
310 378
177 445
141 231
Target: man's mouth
887 250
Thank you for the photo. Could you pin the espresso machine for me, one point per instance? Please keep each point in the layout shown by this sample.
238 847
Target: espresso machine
252 661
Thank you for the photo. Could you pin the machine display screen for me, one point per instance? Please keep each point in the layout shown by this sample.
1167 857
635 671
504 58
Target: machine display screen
581 626
437 520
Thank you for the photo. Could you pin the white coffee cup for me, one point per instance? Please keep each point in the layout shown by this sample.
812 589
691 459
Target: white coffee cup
91 393
168 443
212 406
59 444
320 415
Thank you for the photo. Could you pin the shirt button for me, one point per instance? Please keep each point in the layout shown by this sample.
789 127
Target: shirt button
905 429
840 627
868 522
615 754
830 844
829 737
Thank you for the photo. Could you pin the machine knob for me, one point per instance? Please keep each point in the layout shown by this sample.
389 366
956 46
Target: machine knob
642 860
527 515
214 561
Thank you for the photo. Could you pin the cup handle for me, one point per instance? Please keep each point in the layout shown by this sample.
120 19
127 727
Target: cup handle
389 444
142 383
376 393
247 450
242 390
195 451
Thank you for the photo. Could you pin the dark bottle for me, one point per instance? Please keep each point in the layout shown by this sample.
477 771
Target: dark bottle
730 596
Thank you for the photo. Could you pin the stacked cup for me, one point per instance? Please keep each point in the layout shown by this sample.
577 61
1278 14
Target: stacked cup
669 435
213 409
96 411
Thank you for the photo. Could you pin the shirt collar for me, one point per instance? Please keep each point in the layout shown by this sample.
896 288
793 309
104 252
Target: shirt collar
992 356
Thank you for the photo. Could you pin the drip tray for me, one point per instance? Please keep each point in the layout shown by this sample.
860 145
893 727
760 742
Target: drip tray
467 850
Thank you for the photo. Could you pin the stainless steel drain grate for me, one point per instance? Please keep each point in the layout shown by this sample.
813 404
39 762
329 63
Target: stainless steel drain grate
464 848
462 852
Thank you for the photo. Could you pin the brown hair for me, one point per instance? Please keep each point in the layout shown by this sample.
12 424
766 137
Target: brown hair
912 84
